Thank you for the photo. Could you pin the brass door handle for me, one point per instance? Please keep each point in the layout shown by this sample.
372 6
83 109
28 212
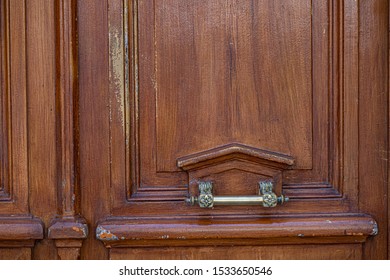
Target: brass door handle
266 197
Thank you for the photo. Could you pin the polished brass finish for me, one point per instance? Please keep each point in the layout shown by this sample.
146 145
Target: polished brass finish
266 197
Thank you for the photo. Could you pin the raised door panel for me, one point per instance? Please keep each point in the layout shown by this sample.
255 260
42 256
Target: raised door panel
237 85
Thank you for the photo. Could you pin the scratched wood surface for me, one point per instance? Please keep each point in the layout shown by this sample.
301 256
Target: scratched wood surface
109 121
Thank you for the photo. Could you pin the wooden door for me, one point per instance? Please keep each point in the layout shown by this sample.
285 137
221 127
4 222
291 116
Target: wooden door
157 99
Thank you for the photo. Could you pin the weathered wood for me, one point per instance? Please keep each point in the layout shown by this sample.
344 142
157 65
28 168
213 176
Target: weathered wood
94 118
70 226
236 231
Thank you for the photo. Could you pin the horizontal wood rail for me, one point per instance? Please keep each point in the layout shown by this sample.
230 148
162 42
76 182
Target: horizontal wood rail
129 232
22 231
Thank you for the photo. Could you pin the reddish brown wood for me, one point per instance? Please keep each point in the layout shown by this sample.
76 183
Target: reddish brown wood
14 178
69 227
172 92
20 229
17 227
40 36
235 230
336 252
68 249
373 96
67 106
4 89
94 118
233 150
15 253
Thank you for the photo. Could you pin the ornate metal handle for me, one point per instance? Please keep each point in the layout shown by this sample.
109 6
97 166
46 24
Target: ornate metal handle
266 197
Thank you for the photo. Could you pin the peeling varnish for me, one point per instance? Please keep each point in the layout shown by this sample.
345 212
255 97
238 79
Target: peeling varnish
83 230
106 235
76 229
116 75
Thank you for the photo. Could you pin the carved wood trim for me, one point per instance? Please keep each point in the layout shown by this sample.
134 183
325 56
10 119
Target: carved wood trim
239 230
69 226
233 150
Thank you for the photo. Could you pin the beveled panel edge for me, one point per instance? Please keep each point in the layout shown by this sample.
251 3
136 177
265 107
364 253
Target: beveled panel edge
247 230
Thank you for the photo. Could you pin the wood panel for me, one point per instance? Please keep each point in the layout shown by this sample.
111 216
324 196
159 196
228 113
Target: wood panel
218 81
283 252
187 94
134 120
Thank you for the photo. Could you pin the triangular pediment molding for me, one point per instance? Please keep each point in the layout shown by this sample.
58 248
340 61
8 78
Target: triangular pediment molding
234 151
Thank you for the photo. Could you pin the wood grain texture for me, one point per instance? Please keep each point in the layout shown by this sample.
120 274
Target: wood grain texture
67 106
284 252
4 92
236 231
138 113
14 159
225 59
94 118
69 249
373 158
70 226
40 36
15 253
166 80
211 156
20 229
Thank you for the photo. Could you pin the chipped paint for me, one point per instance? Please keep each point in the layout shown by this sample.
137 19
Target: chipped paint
105 235
375 229
81 229
76 229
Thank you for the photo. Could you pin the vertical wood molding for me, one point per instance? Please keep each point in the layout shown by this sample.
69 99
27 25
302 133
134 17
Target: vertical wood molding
373 120
70 228
388 138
